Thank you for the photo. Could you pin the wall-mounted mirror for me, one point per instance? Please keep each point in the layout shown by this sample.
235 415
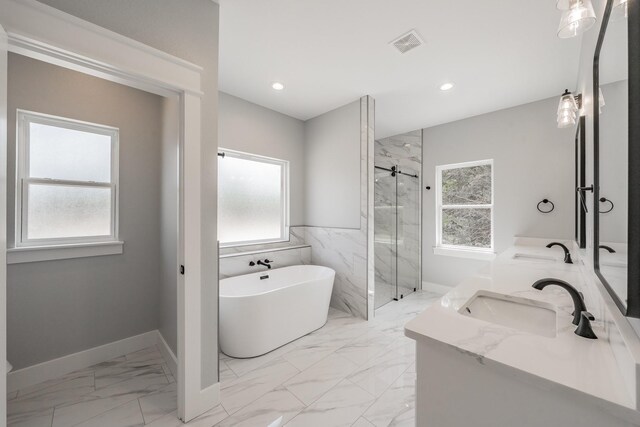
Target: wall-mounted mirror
580 181
613 159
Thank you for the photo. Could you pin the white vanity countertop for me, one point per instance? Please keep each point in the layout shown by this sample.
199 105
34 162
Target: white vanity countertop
586 366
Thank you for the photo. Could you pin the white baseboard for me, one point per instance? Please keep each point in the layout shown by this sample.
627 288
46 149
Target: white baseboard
167 354
435 287
55 368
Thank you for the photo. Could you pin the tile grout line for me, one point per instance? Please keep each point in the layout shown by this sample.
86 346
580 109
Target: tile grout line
144 421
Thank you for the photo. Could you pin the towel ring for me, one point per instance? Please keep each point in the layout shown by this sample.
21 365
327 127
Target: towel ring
545 201
603 200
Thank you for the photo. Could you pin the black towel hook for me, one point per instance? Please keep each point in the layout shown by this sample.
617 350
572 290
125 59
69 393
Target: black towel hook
545 201
604 200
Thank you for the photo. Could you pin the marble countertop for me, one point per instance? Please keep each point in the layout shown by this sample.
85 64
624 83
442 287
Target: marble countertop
585 366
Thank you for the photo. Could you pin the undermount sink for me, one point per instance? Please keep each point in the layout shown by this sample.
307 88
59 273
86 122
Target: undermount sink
534 258
513 312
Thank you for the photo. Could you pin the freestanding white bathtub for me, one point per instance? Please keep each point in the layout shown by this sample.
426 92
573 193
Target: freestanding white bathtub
259 314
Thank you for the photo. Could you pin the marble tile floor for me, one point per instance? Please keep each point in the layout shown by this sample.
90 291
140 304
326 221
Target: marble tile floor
348 373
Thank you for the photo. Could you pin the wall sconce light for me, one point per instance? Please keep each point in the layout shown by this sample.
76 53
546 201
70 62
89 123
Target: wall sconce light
568 109
577 17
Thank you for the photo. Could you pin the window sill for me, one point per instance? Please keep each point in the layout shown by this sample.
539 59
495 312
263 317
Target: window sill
465 253
50 253
254 243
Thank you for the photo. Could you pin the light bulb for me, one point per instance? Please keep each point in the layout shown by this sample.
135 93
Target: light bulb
567 102
566 122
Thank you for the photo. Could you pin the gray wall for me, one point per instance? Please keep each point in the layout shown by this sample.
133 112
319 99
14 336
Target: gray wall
56 308
248 127
332 159
190 33
533 160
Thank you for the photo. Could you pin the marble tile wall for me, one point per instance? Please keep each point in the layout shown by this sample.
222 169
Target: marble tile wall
345 251
397 216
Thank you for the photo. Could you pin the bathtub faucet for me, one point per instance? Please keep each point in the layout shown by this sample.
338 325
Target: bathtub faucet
265 263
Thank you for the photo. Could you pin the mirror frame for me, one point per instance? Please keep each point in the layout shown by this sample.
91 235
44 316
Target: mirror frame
580 207
632 308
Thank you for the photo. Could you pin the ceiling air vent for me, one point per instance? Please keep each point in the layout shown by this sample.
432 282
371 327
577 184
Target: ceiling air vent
408 41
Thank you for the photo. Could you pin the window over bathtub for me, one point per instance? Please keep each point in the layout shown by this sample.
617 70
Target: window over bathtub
253 199
66 185
464 209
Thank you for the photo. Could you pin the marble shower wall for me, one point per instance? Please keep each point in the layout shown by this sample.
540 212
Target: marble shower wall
397 215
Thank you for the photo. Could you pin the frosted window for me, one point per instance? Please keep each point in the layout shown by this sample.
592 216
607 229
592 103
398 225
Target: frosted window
67 181
68 154
465 205
58 211
251 199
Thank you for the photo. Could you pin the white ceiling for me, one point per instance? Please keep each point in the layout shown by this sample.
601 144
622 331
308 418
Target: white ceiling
499 53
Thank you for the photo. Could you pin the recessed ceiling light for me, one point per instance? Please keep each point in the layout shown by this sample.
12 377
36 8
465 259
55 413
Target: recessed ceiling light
446 87
277 86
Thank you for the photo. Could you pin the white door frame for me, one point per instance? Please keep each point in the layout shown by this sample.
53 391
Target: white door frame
47 34
3 223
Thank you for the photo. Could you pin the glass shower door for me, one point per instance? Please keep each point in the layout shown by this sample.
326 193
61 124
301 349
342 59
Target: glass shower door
385 237
408 232
397 234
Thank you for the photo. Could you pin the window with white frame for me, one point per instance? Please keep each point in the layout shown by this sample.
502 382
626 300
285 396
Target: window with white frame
67 181
464 214
253 199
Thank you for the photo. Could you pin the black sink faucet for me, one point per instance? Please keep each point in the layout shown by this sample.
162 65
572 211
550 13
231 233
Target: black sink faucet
265 263
607 248
581 317
567 254
578 302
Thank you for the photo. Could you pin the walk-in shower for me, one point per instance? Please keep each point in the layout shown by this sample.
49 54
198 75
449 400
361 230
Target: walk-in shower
398 164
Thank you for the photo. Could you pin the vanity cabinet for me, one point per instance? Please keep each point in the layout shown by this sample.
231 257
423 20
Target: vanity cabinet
461 389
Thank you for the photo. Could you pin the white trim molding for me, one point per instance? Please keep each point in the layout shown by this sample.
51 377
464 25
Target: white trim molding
55 368
56 252
25 181
50 35
168 355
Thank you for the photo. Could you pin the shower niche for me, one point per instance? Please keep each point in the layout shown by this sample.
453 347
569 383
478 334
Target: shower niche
397 218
